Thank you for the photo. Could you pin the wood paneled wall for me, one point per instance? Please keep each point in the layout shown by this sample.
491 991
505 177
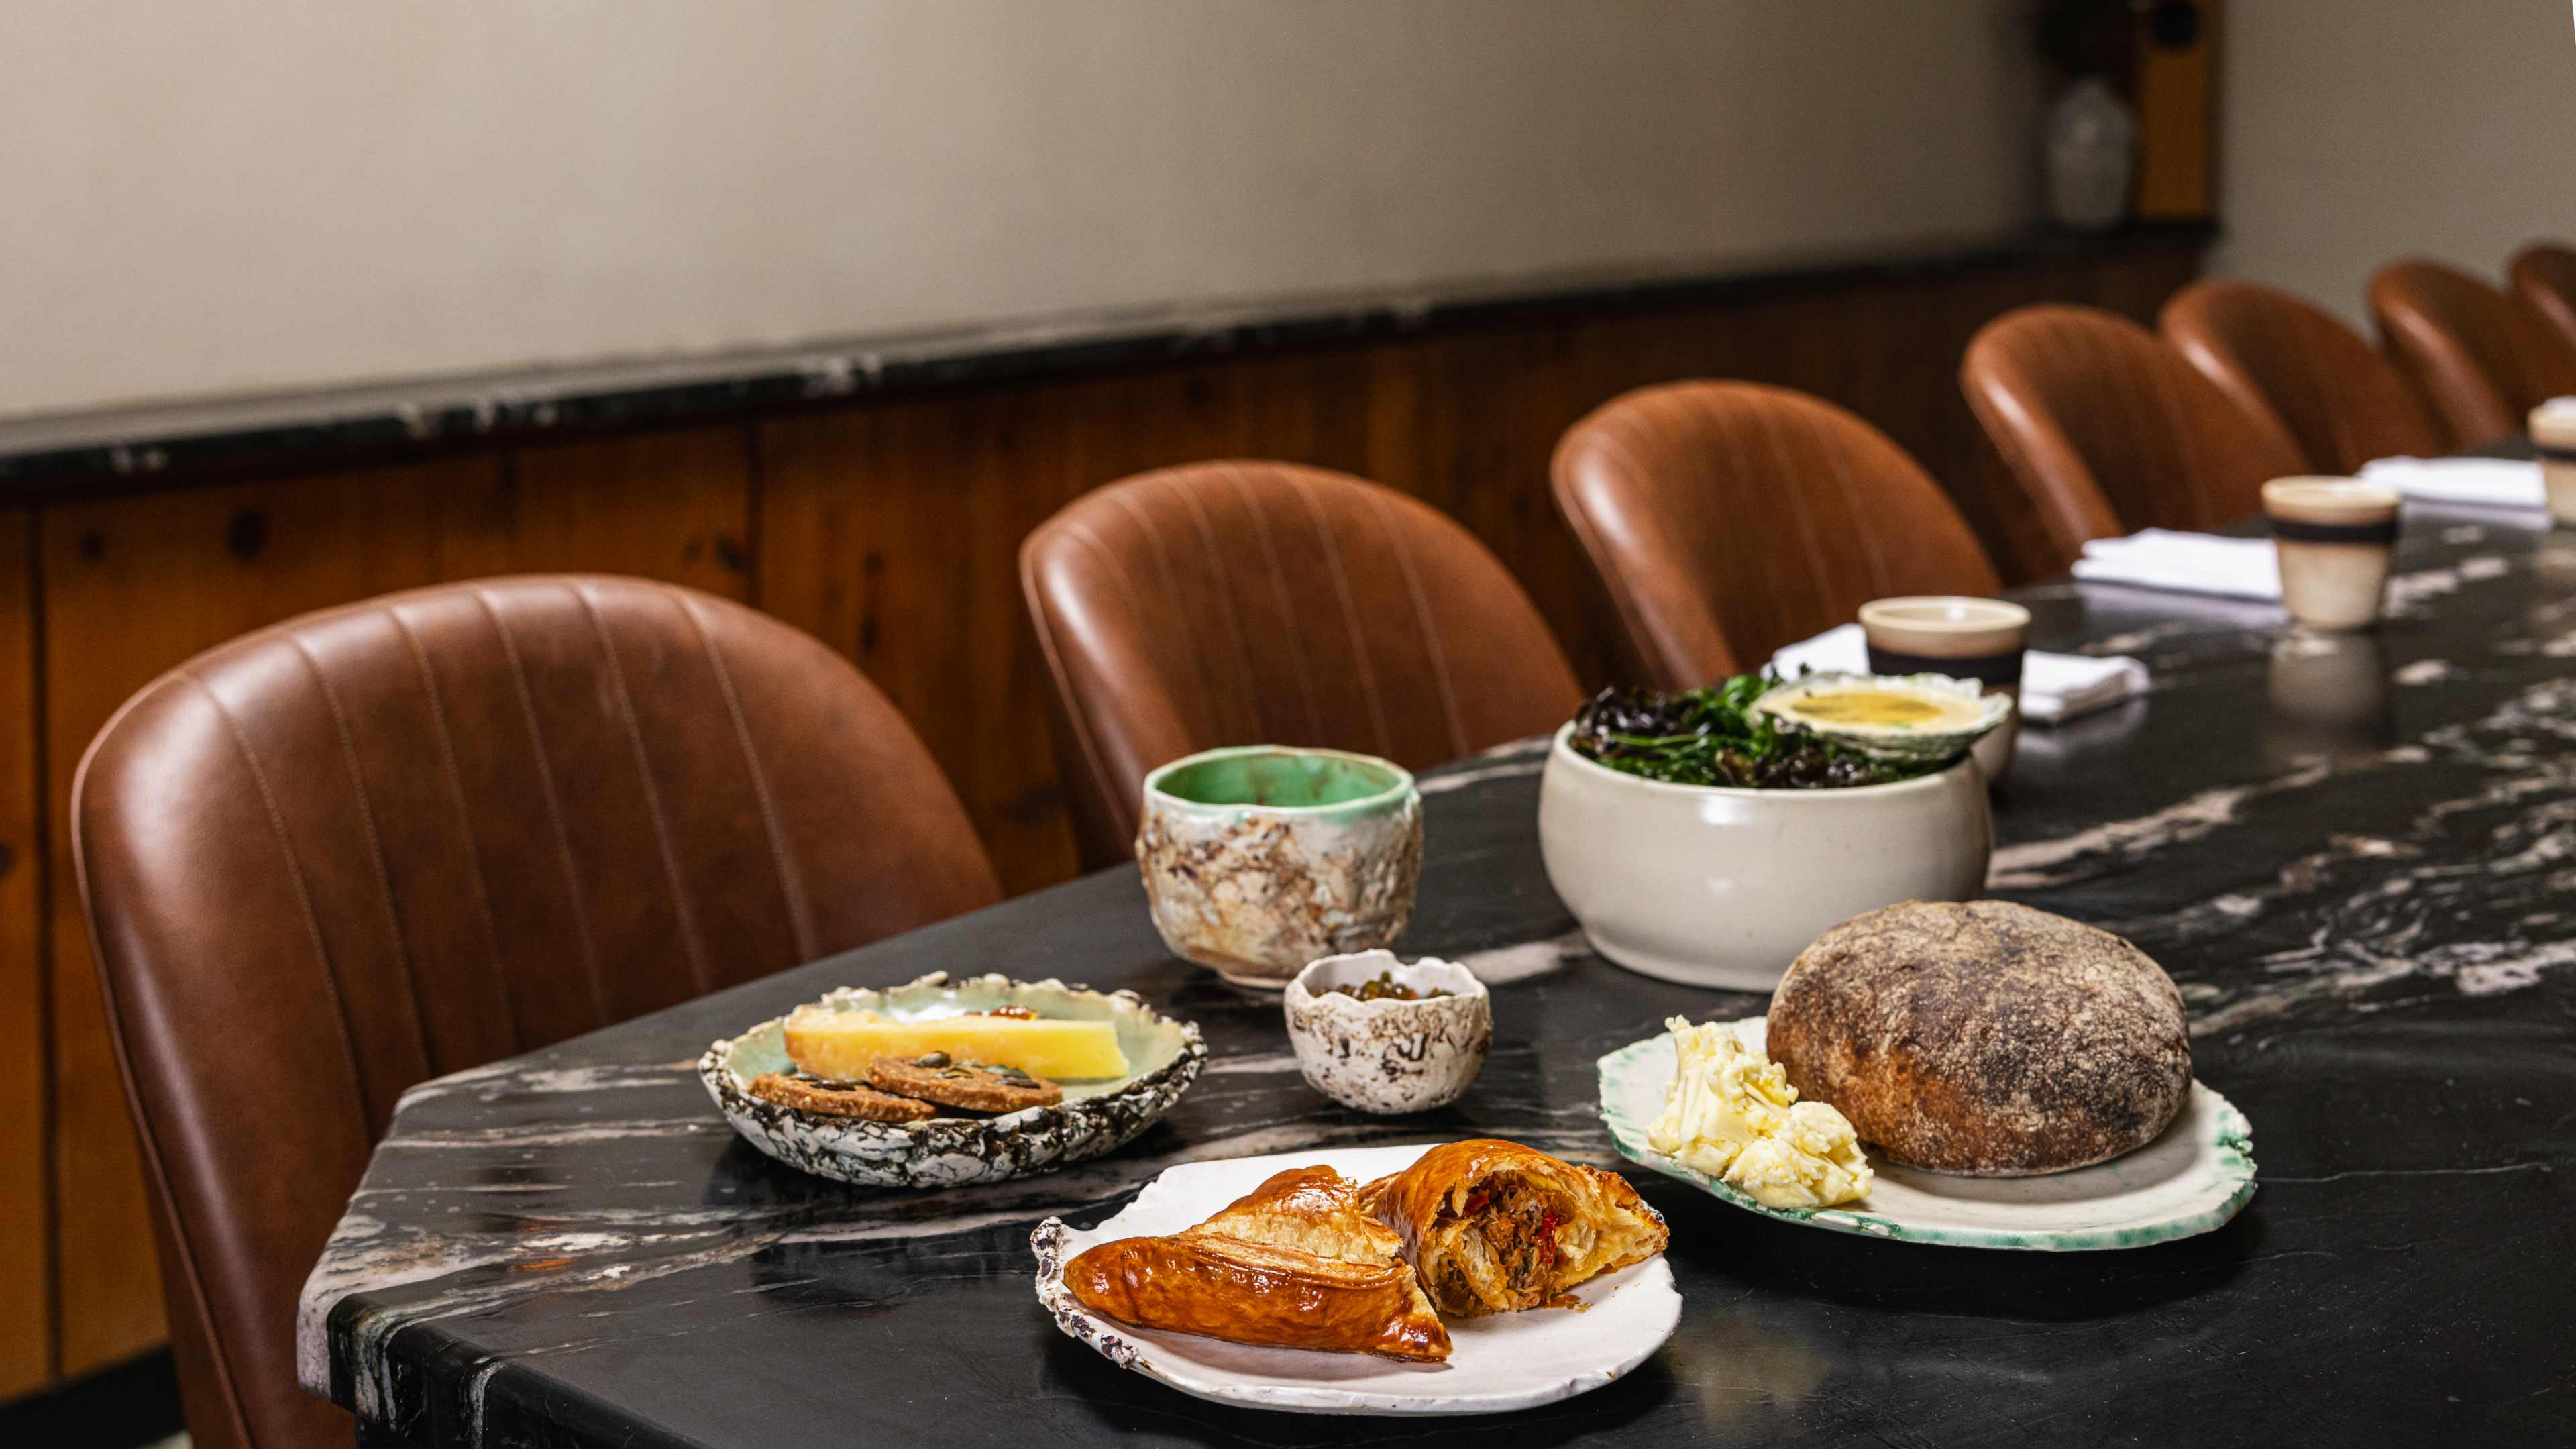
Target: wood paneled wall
889 528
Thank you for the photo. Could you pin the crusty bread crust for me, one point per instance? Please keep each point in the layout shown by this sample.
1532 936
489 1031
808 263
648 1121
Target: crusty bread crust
1984 1038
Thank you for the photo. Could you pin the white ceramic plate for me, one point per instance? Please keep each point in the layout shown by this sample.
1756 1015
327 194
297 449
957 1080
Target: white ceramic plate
1506 1361
2189 1180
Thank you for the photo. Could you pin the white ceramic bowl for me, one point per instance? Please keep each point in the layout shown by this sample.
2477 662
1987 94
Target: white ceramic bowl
1388 1056
1712 886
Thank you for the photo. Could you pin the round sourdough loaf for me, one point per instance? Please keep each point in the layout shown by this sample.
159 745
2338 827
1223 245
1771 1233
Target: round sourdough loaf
1984 1038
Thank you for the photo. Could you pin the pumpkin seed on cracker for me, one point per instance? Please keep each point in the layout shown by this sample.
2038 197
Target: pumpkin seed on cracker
838 1099
974 1086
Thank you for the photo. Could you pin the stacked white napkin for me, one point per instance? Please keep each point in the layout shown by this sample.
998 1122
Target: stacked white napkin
2191 563
2478 482
2054 687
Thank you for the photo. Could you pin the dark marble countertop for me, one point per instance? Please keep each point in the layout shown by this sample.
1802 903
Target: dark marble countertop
2357 856
51 455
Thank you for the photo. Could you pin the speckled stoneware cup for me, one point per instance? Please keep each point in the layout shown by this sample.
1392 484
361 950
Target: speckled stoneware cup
2553 441
1389 1056
1261 858
2336 537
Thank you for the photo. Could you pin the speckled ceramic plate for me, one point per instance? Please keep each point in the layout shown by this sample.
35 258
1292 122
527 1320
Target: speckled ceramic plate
2190 1180
1163 1057
1507 1361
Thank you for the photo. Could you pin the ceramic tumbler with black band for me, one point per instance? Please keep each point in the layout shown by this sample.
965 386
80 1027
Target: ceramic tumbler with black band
1965 638
2335 537
2553 440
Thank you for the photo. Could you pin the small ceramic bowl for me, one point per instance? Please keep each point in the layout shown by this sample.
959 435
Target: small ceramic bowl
1388 1056
1260 858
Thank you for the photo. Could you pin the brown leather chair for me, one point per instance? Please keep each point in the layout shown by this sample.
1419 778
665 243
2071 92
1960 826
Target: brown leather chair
2477 354
393 840
2544 277
2273 353
2109 430
1728 518
1230 603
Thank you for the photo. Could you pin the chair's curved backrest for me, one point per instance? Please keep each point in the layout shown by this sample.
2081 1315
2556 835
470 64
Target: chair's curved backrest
2544 277
2108 429
1230 603
2477 354
2342 401
1728 518
408 836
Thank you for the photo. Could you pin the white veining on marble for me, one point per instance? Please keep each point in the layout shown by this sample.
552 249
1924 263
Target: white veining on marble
505 1079
1443 784
2028 866
544 1134
1265 1064
2371 900
1497 965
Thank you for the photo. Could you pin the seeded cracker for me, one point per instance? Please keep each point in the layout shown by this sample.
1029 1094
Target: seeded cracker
975 1086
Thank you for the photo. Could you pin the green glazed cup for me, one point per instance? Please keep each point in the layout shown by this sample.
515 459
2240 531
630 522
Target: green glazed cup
1261 858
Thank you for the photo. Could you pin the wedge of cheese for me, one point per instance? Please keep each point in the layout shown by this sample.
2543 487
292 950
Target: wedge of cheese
839 1044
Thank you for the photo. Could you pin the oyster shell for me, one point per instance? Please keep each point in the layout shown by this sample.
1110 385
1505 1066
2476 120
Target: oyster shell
1912 717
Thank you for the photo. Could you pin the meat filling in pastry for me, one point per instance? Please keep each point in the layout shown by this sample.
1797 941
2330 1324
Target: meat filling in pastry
1493 1227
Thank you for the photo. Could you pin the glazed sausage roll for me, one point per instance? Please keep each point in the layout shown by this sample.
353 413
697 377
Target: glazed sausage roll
1295 1263
1255 1293
1491 1227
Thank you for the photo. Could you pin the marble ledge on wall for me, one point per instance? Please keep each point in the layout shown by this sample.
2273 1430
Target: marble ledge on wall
129 447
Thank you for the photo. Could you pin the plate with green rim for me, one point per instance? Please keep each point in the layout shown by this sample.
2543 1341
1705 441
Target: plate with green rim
2190 1180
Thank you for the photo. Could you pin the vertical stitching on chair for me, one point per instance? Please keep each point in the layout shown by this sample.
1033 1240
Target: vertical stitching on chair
1287 605
2094 362
2186 441
1430 631
554 809
1611 435
1225 605
1350 610
465 822
1082 533
1838 460
1121 498
1768 425
2315 336
295 875
1041 611
652 794
375 853
2002 395
789 884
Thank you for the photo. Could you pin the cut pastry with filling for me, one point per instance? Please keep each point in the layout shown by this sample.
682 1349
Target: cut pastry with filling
1494 1227
1312 1209
1295 1263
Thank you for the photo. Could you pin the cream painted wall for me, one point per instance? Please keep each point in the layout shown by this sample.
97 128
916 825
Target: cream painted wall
203 200
2356 131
